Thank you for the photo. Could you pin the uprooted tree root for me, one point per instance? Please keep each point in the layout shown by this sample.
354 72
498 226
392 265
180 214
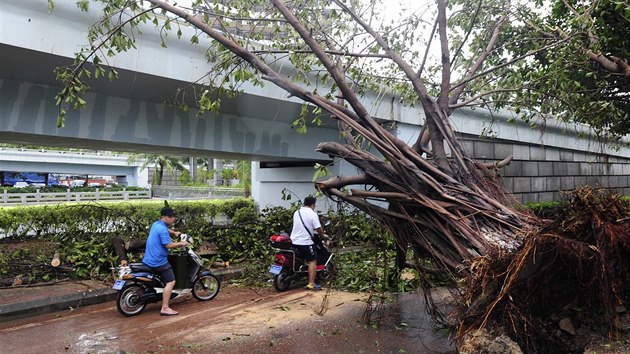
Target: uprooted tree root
572 270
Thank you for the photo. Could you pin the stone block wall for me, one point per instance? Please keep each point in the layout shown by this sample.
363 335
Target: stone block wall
168 178
538 173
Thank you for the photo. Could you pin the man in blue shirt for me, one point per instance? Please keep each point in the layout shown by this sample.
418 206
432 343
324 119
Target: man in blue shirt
156 255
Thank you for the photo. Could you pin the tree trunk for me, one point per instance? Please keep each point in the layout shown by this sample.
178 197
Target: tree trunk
55 261
160 174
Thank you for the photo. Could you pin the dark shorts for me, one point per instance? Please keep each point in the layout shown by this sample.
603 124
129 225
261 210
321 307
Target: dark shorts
307 251
166 272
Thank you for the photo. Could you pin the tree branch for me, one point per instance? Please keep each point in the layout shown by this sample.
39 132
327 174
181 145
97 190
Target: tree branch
499 164
613 64
332 52
504 64
446 62
457 90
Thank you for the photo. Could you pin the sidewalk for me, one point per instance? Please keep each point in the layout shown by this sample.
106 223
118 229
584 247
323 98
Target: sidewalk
22 302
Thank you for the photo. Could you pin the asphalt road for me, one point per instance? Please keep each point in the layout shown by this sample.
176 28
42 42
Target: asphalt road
239 320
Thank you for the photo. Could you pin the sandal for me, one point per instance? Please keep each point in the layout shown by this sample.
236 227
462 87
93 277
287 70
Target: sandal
169 313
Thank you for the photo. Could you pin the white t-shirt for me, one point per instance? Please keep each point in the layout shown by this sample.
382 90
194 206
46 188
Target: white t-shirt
299 235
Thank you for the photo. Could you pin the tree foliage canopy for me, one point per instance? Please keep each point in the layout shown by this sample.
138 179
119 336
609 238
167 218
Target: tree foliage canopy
582 74
160 163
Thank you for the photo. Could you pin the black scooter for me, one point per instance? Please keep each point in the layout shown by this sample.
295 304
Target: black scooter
289 264
138 285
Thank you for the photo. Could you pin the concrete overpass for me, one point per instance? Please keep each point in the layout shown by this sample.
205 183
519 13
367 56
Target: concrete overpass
129 114
74 163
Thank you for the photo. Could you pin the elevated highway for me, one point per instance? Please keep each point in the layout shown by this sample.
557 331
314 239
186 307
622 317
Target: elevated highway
130 114
74 163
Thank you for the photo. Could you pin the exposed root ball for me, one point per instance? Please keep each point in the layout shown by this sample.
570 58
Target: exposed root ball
572 270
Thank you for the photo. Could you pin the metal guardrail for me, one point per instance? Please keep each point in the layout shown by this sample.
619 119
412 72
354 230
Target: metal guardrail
170 192
101 153
71 196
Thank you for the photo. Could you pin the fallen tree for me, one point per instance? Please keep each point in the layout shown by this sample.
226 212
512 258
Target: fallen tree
431 193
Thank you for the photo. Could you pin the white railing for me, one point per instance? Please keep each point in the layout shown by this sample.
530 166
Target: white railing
71 196
178 192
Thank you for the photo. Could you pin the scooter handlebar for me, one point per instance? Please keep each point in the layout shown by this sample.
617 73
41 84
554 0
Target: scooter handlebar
186 238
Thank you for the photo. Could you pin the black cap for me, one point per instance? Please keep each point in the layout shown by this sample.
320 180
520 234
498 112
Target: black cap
309 200
167 212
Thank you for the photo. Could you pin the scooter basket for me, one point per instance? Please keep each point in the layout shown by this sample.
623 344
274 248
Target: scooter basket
180 266
282 242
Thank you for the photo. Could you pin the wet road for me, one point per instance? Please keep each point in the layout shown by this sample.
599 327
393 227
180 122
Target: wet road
239 320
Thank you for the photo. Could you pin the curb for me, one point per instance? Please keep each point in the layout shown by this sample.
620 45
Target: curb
51 304
75 300
229 273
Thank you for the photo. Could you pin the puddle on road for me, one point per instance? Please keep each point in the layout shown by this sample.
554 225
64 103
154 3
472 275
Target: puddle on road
409 314
95 343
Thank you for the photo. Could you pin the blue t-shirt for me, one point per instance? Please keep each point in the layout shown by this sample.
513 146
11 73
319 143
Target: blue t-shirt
156 253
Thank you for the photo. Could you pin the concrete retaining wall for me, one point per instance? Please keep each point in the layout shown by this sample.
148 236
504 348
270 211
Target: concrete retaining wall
539 173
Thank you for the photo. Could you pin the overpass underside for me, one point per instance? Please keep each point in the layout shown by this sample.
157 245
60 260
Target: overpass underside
28 116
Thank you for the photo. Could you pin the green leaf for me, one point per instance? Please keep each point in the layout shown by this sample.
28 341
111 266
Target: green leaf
83 5
113 74
61 118
321 171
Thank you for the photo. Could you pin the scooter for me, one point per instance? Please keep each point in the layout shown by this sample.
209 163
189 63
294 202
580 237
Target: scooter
138 285
289 264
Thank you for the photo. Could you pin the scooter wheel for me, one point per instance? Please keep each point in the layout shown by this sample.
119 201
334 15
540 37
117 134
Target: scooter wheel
206 287
327 272
128 300
282 281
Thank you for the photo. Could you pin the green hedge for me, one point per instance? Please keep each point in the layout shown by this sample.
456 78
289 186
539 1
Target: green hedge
81 232
67 222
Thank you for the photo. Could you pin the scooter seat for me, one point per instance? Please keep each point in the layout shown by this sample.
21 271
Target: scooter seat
140 267
281 245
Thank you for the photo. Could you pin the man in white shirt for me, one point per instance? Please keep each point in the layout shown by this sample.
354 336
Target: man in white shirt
305 222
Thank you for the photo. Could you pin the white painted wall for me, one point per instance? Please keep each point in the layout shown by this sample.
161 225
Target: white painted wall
268 184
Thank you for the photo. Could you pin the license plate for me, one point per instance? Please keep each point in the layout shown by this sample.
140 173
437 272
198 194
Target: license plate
118 284
275 269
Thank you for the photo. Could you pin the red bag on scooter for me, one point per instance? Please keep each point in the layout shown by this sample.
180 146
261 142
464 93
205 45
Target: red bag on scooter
281 241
